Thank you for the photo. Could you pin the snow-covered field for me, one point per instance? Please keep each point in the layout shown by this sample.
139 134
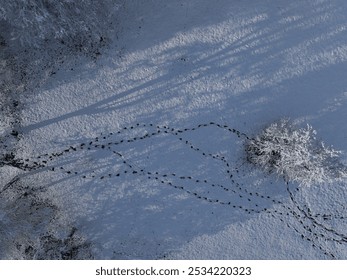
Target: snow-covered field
141 152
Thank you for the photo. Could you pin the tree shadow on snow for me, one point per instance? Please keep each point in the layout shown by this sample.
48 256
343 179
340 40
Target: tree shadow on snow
144 211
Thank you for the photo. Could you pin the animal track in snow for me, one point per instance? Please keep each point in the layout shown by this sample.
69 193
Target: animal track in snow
311 227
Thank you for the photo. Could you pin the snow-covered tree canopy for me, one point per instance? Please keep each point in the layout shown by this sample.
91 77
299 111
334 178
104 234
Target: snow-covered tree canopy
31 22
295 154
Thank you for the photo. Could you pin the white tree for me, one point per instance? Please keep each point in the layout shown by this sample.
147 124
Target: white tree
32 22
295 154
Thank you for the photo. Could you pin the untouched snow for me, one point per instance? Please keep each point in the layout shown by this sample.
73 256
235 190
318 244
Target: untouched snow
194 65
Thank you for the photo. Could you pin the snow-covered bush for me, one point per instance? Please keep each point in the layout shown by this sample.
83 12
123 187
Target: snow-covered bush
37 37
295 154
33 227
31 22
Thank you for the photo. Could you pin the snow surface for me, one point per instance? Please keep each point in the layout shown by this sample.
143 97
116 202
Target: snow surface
178 65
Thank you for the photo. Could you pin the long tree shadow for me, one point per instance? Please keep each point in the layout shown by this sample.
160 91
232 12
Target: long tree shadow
161 186
238 65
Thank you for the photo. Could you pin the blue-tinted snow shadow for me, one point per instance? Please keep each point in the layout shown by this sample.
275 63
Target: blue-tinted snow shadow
262 78
253 70
133 216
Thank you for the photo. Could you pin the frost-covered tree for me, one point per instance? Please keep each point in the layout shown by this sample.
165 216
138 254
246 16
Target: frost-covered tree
32 22
33 227
295 154
38 36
